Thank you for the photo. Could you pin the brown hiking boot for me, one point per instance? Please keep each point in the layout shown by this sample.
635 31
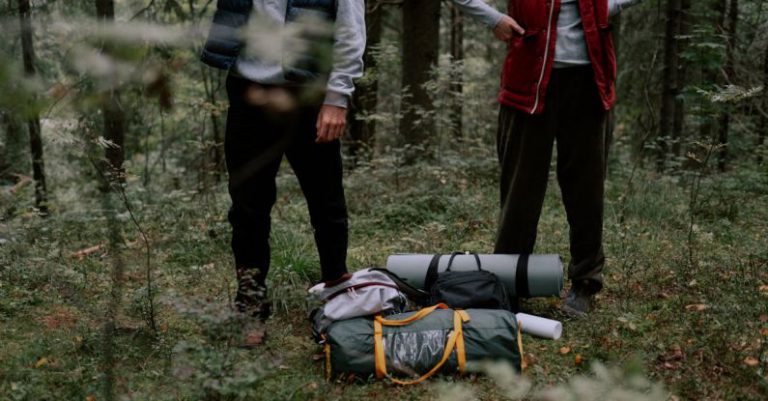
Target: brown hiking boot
254 334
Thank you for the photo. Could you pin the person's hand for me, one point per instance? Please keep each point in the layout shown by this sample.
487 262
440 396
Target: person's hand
331 123
506 29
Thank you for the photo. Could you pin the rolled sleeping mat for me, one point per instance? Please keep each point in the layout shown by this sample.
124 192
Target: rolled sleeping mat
524 276
539 326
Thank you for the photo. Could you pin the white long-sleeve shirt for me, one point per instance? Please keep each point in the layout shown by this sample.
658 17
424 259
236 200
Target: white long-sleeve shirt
571 48
348 48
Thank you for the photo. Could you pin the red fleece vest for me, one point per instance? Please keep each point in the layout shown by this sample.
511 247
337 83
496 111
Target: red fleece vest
530 57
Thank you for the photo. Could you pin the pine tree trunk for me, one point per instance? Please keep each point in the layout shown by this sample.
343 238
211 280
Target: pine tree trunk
421 35
112 112
762 132
729 72
678 124
457 81
711 76
365 101
669 82
33 117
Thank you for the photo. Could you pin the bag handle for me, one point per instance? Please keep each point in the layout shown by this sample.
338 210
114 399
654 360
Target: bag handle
455 341
453 255
421 314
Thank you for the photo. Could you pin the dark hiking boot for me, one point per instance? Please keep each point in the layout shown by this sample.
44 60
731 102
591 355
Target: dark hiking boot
251 298
253 302
578 303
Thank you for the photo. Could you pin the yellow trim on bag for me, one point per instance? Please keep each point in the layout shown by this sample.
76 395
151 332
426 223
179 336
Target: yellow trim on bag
455 341
523 362
328 371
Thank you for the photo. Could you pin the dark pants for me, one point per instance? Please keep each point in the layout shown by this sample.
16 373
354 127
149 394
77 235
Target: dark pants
256 139
574 117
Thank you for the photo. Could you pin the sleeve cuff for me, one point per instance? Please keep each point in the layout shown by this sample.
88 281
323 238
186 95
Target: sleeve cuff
494 19
336 99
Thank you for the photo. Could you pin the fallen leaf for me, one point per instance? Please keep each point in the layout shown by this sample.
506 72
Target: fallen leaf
81 254
675 354
565 350
764 331
763 318
763 288
41 362
751 361
696 307
578 360
530 359
90 398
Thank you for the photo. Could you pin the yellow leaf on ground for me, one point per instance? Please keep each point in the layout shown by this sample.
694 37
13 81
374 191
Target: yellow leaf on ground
578 360
696 307
90 398
41 362
81 254
751 361
565 350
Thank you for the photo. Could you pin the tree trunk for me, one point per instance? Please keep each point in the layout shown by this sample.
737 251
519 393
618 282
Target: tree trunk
362 131
711 76
112 112
669 82
678 124
13 160
729 72
33 116
457 81
421 35
213 163
762 132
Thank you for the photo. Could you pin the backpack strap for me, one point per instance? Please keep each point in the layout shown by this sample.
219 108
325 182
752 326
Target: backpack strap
521 277
453 255
431 277
417 295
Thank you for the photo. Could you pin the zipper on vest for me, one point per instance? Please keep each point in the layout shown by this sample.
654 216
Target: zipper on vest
546 57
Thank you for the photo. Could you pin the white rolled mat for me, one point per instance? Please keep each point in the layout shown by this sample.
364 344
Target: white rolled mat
544 272
540 327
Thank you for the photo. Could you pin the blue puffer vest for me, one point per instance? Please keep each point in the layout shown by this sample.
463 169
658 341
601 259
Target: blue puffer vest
225 39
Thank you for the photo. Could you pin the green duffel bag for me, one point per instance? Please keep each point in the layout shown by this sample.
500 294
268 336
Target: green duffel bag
418 345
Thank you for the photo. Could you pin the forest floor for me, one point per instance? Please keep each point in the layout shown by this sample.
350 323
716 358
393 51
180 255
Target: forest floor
685 303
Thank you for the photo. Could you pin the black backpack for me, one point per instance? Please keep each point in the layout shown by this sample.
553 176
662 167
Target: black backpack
479 289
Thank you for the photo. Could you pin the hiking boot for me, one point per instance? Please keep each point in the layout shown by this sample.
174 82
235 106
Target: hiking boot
254 333
578 303
253 302
251 298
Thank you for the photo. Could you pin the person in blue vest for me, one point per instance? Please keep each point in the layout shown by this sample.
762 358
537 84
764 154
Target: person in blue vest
285 100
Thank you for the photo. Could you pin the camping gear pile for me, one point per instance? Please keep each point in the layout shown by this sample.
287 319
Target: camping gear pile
429 314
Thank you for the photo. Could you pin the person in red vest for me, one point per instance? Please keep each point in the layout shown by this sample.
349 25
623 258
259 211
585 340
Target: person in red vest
557 84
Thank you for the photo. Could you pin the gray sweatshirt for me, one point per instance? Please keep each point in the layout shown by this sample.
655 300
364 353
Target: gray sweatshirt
348 49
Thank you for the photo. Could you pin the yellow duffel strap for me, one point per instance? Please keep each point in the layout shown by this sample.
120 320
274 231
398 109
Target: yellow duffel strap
455 341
